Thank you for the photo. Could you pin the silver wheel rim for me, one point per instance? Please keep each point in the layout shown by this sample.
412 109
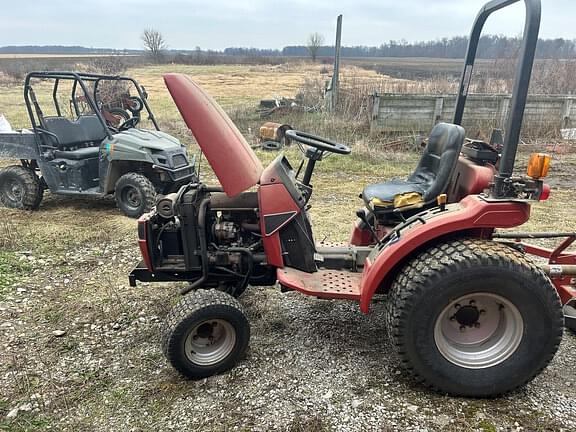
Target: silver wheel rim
478 330
210 342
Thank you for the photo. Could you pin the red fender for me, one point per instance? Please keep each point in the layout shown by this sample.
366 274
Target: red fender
474 213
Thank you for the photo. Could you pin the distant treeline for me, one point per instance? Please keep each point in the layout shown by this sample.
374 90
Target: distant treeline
61 49
490 47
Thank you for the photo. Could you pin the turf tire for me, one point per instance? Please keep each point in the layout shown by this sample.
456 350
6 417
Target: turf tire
192 311
428 283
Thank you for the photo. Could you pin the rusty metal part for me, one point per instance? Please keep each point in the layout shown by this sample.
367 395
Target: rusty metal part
271 131
557 270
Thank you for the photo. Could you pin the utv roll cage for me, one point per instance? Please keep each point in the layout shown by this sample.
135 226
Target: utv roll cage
80 79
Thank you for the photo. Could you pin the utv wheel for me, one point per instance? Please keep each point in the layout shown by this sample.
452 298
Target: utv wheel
474 318
135 194
205 334
20 188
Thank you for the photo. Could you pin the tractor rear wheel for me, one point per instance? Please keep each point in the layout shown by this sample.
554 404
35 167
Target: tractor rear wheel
20 188
206 333
474 318
135 194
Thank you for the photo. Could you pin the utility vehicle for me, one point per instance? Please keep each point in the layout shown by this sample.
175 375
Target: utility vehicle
468 311
90 146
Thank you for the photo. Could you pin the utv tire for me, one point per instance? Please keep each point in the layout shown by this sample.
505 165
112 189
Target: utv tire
474 318
20 188
206 333
135 194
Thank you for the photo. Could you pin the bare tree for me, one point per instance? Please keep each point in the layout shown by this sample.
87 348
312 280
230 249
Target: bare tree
154 44
315 41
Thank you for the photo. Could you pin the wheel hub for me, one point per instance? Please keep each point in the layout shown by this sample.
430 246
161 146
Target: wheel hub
133 198
15 191
467 316
478 330
210 342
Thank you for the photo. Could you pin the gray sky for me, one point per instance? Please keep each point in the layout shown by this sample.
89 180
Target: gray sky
217 24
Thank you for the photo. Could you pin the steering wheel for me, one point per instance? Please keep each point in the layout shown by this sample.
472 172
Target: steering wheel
322 144
130 123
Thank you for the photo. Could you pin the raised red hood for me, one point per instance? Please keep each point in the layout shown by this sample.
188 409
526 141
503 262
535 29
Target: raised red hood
229 155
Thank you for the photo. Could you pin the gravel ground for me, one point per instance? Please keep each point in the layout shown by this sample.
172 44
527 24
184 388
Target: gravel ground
80 353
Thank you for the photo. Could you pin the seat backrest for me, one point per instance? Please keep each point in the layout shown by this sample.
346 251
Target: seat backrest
439 160
92 128
86 128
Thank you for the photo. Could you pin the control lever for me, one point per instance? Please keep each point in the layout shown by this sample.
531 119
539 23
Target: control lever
362 216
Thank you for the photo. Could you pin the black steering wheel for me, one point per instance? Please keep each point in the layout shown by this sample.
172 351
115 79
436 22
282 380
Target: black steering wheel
130 123
322 144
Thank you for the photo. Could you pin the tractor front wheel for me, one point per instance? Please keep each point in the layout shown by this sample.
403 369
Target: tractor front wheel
20 188
474 318
206 333
135 194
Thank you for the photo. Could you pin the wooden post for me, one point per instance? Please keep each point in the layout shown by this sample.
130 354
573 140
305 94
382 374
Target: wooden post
335 86
438 110
567 110
375 111
504 106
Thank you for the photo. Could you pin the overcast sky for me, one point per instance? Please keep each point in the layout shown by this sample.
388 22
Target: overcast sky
217 24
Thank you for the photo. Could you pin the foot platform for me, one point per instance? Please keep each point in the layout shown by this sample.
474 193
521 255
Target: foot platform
332 284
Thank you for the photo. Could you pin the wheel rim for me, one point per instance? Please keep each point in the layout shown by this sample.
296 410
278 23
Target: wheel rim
210 342
132 197
478 330
14 191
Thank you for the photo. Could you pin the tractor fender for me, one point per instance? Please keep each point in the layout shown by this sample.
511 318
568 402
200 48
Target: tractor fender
474 216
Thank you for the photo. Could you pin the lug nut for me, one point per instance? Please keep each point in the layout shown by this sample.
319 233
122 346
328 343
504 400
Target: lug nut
457 306
472 302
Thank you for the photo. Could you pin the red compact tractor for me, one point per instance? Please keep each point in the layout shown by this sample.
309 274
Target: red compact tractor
469 312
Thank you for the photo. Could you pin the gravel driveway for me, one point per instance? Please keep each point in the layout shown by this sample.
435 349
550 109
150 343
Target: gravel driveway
80 353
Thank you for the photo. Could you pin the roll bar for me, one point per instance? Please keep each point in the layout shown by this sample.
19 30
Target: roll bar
520 89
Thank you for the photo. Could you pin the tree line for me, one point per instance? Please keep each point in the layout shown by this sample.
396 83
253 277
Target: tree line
490 47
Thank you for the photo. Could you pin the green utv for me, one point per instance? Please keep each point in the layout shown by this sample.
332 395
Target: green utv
90 145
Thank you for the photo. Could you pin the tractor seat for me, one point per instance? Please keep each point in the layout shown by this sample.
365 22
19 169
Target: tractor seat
80 154
430 178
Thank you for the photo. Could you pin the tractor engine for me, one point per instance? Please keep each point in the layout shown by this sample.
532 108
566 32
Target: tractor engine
201 235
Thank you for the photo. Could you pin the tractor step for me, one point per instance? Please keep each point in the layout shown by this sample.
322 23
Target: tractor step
333 284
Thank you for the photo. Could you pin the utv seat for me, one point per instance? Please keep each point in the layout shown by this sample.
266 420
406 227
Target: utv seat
430 178
85 130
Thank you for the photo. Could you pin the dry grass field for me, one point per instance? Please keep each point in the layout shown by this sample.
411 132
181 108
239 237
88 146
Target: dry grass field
80 347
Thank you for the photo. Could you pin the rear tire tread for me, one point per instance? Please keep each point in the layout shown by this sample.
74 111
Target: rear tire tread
437 262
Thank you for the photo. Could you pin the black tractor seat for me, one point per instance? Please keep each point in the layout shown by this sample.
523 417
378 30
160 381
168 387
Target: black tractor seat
80 154
430 179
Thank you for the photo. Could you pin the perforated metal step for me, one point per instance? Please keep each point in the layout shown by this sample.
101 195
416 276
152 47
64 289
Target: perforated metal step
336 284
